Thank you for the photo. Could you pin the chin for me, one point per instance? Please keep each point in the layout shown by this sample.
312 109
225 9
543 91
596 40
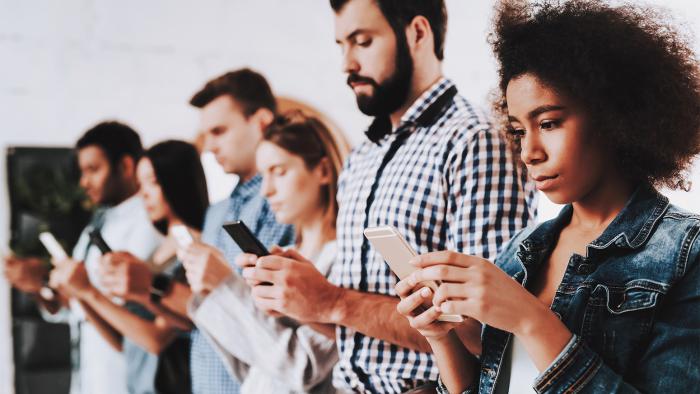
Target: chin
558 197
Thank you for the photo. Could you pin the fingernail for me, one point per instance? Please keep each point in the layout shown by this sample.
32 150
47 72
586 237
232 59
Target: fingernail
425 292
445 307
414 260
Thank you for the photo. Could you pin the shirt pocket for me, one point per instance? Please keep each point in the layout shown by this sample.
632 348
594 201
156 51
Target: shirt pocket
618 320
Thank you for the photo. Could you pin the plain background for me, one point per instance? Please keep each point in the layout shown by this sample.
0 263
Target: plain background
66 65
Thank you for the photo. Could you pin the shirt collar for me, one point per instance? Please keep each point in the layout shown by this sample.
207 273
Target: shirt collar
423 112
125 207
247 189
630 229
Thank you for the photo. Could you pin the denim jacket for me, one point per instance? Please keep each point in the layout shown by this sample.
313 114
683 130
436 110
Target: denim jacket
632 303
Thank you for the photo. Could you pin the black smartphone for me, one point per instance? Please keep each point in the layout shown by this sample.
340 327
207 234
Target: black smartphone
245 238
97 240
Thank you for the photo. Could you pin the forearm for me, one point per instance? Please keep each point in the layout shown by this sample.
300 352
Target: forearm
458 367
375 316
108 332
295 354
141 331
177 300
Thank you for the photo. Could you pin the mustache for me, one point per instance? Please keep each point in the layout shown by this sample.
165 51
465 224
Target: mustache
353 77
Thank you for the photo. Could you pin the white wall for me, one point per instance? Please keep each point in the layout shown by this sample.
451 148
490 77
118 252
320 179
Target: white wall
67 65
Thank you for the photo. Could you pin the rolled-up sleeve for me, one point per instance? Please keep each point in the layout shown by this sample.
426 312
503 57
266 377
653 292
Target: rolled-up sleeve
295 354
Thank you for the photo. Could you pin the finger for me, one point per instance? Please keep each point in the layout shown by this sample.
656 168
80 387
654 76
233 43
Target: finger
409 305
260 275
443 273
428 317
268 292
450 291
458 307
405 287
445 257
276 249
268 306
274 263
246 260
293 254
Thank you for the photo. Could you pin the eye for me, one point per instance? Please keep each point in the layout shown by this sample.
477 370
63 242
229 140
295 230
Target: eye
363 41
549 124
516 133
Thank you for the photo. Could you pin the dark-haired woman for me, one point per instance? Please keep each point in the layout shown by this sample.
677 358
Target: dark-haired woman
174 190
604 104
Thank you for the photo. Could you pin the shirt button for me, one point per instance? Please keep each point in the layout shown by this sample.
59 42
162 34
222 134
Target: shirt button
584 269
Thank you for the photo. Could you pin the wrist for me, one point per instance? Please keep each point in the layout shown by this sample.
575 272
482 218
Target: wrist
336 310
88 294
445 339
536 321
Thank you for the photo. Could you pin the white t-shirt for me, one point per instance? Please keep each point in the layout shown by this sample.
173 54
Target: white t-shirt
126 228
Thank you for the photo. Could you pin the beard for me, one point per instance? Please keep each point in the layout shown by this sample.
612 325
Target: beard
392 93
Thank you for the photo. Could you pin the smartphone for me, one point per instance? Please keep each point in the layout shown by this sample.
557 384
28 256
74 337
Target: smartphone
57 253
97 240
245 238
182 236
397 252
51 244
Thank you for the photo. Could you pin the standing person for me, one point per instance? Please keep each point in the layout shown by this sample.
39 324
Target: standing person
234 108
605 297
107 156
299 159
174 192
432 166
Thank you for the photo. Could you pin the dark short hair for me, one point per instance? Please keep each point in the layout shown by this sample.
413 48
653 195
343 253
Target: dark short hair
248 88
399 13
179 172
115 139
632 72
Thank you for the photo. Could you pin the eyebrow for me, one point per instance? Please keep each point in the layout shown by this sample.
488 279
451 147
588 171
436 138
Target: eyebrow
538 111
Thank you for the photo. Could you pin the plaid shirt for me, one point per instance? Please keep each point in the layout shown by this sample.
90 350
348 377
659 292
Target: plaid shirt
209 375
451 184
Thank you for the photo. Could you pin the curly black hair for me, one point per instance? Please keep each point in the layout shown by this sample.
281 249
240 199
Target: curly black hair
634 74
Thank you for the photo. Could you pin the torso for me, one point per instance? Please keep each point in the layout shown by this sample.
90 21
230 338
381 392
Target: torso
571 241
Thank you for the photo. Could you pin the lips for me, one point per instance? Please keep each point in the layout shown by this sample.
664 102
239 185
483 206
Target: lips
544 182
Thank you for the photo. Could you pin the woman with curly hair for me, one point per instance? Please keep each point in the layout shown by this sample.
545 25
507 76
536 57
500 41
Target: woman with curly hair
603 103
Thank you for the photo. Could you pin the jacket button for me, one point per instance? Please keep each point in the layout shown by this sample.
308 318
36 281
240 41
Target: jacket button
584 269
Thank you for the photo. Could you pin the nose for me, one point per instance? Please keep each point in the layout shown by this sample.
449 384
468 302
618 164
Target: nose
350 64
531 150
209 143
84 182
266 189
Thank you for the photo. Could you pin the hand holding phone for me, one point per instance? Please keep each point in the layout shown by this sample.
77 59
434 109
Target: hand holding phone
397 253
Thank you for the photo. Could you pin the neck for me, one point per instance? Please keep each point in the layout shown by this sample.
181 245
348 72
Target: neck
597 210
314 232
421 81
129 191
245 177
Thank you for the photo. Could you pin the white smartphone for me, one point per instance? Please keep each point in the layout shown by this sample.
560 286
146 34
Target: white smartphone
182 236
55 249
397 253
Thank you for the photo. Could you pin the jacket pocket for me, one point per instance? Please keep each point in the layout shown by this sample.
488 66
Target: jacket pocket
618 320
